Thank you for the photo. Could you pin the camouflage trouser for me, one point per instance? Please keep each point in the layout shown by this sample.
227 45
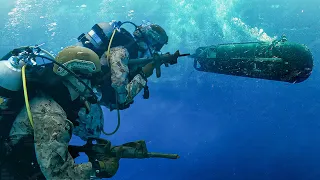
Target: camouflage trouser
52 133
119 57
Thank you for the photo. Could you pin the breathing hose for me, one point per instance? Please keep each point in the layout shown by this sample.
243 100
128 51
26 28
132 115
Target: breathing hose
108 55
118 111
25 92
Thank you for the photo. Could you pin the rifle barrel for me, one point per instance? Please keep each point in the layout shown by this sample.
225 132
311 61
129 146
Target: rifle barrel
142 61
184 55
161 155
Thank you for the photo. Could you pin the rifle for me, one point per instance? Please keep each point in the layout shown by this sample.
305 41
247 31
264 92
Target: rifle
159 59
131 150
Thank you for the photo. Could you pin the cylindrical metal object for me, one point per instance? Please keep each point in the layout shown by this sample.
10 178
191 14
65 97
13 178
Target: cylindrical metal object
280 60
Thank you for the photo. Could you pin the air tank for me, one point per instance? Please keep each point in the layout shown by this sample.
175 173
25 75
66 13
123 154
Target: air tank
280 60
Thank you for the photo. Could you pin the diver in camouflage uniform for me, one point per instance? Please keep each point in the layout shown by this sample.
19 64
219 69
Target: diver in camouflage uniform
54 114
61 105
127 82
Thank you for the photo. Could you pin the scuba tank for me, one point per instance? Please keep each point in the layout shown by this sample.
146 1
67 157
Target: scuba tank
10 84
11 75
280 60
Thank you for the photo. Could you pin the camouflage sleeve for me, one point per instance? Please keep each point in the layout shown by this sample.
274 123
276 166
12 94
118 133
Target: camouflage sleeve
52 133
119 57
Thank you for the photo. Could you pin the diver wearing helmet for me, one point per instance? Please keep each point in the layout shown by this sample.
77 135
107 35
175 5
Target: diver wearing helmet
59 99
116 47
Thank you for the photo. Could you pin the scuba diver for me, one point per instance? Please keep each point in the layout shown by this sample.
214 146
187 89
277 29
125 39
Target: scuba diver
56 98
64 100
116 47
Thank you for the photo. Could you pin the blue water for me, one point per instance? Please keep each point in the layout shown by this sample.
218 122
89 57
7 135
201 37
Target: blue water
223 127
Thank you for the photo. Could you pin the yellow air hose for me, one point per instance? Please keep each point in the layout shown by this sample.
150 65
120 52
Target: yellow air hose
25 92
118 111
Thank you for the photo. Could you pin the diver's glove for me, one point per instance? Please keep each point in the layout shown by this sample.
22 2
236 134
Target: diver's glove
146 93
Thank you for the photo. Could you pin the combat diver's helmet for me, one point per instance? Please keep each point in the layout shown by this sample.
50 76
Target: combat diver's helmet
97 39
153 34
80 60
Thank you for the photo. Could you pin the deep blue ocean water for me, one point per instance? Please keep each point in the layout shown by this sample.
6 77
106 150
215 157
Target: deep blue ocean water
223 127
